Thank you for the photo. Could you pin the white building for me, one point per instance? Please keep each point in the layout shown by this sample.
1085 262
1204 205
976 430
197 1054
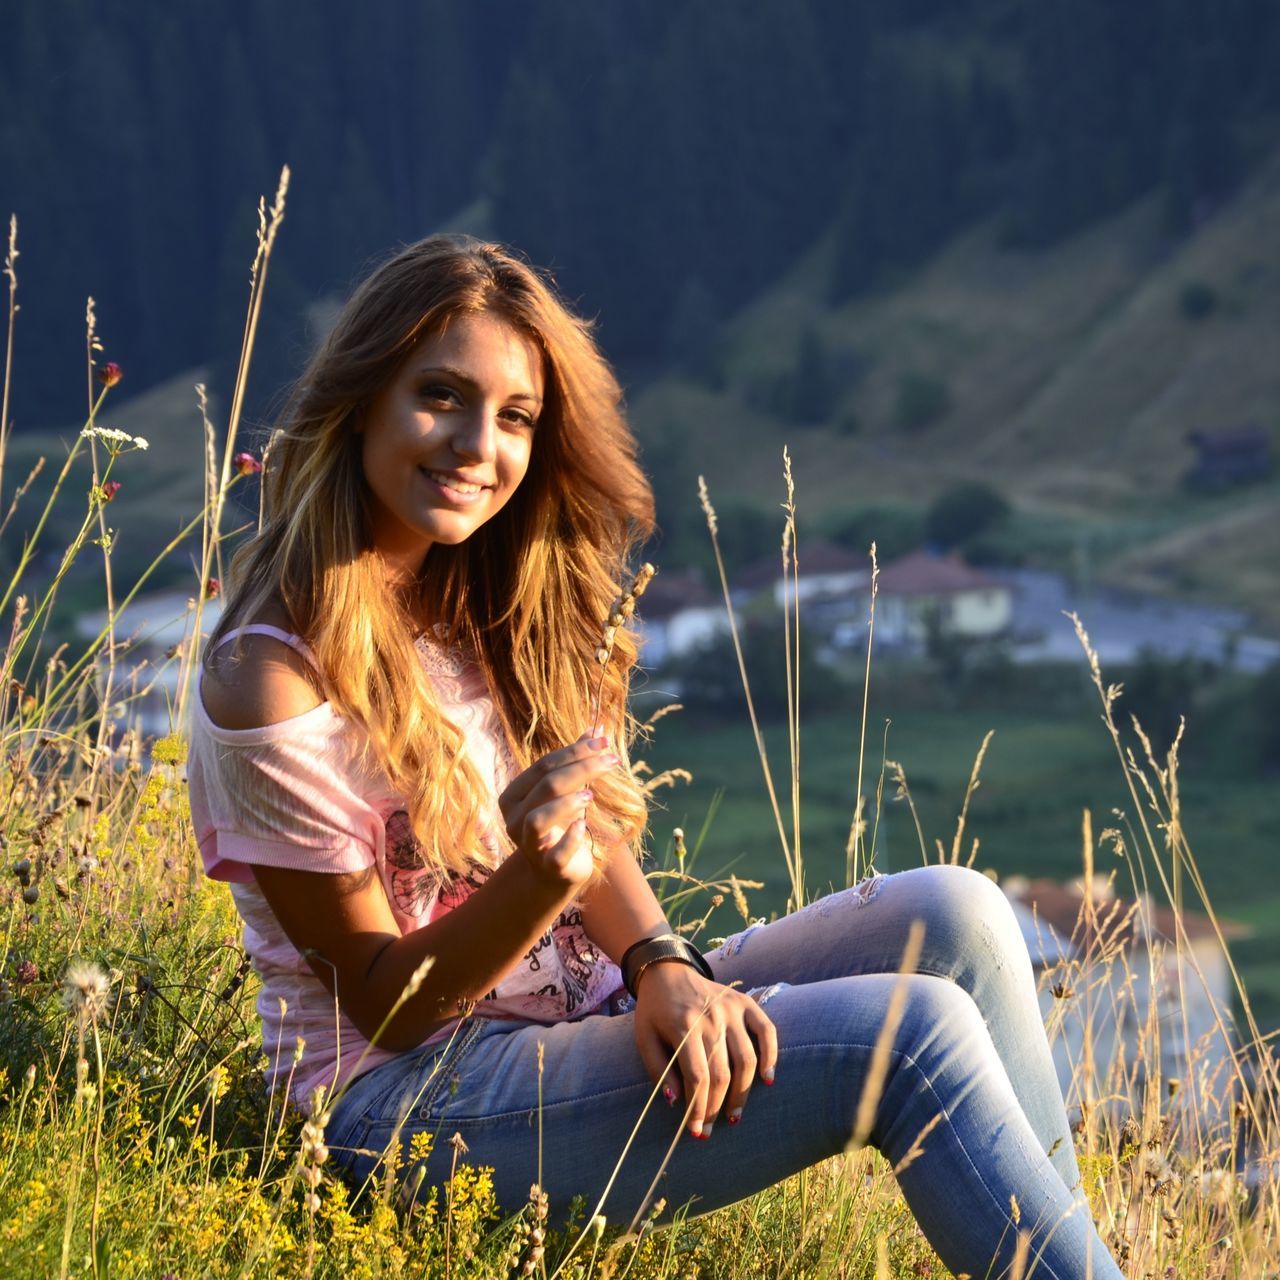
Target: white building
1123 997
922 591
677 615
147 632
826 573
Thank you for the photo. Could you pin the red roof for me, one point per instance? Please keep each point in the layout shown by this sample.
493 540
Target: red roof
669 593
1109 921
815 557
924 574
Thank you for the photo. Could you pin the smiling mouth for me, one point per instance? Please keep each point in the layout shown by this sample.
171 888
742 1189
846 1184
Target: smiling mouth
451 483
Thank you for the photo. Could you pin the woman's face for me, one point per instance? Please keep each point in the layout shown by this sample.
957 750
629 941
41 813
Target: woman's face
447 441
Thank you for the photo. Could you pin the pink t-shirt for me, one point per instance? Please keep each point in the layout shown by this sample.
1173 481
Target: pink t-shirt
296 794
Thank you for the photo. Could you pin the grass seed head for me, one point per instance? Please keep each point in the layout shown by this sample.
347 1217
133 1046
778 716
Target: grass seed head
85 990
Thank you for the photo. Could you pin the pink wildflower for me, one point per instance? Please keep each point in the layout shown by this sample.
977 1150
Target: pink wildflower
213 588
110 374
246 464
109 489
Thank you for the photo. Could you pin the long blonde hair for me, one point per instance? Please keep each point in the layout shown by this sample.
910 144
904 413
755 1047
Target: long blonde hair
526 594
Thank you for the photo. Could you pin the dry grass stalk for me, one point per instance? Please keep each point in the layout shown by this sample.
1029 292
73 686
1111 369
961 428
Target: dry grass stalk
794 871
852 873
873 1085
11 272
791 651
974 784
269 223
618 616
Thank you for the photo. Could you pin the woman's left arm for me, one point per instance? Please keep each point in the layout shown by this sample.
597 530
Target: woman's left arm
719 1037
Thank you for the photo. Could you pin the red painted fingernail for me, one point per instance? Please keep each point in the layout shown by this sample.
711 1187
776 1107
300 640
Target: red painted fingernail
670 1095
767 1077
735 1116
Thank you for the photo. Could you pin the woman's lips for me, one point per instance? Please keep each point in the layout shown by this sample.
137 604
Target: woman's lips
444 484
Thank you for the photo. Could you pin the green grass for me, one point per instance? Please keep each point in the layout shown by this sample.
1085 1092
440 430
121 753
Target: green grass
136 1141
1039 775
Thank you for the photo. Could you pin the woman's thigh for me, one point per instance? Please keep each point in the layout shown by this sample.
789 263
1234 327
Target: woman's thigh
969 928
571 1107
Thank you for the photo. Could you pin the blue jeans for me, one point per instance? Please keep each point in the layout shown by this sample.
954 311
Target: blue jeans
970 1047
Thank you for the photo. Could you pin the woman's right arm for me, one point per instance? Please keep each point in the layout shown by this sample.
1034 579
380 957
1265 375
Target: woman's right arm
342 923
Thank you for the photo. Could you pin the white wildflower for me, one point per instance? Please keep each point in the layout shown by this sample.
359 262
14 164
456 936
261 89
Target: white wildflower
115 440
85 989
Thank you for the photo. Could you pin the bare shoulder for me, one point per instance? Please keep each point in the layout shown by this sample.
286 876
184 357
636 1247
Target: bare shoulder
259 680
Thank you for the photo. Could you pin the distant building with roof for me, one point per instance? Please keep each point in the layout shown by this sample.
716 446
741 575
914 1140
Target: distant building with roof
922 591
826 571
1228 456
148 674
1123 987
677 615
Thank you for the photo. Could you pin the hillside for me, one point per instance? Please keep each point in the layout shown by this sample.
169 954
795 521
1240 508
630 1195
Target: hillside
1074 375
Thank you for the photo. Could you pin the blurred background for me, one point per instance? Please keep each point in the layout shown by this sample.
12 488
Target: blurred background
1004 276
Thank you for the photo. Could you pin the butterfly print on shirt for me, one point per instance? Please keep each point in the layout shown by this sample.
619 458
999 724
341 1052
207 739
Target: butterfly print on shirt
414 888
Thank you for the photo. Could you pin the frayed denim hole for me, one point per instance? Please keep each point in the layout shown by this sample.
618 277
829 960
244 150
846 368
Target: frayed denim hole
867 888
762 995
732 946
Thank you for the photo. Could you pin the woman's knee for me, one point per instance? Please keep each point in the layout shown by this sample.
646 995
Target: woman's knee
973 910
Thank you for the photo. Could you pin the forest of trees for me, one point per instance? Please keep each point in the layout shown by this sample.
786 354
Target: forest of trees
666 160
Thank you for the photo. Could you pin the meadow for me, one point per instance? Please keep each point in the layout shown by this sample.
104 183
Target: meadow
137 1140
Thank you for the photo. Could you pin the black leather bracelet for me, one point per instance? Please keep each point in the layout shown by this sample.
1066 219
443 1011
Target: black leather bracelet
668 946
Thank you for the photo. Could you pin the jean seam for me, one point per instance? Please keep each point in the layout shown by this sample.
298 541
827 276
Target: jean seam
447 1064
576 1101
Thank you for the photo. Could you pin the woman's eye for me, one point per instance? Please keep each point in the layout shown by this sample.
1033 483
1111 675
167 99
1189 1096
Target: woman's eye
519 417
436 391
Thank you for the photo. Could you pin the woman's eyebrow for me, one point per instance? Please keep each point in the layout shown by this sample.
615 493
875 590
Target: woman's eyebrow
469 382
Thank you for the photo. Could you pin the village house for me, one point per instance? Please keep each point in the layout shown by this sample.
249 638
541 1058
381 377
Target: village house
922 591
677 615
151 626
1228 456
827 573
1118 990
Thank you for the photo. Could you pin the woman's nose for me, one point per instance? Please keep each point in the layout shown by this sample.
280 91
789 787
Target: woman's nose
476 435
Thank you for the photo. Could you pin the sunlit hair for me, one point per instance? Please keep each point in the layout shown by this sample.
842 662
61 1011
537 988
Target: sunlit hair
526 593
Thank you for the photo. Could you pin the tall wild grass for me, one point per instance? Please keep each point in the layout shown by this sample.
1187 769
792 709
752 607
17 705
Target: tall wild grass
137 1140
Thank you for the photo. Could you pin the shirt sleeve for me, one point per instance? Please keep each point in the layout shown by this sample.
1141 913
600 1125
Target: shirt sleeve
281 800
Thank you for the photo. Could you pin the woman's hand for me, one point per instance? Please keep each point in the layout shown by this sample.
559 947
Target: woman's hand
545 810
727 1041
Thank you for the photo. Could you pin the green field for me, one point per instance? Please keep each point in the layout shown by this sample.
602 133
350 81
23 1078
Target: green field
1040 773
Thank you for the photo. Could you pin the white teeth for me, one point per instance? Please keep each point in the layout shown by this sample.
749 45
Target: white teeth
458 486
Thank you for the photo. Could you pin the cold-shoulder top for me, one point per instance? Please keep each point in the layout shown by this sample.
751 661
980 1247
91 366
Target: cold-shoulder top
300 794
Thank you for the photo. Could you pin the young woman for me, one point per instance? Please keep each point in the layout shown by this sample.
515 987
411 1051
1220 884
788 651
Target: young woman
394 762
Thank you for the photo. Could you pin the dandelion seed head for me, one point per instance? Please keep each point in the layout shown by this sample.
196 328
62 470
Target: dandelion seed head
85 989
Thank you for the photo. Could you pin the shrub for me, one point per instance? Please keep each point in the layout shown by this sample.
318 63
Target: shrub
1198 300
963 512
894 530
922 400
